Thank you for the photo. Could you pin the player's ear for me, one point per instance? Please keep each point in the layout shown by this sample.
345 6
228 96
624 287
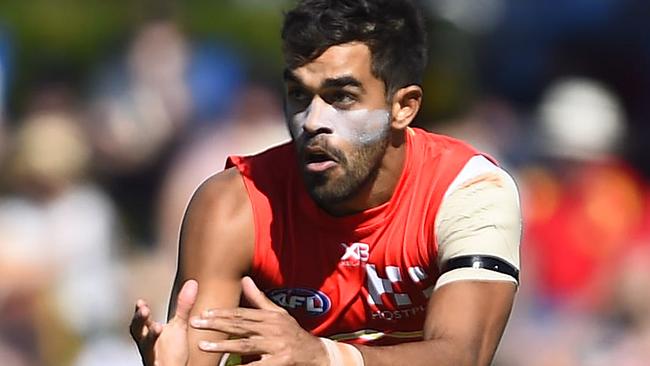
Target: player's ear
405 106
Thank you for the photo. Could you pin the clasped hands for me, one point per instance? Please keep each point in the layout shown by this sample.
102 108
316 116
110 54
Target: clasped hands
265 329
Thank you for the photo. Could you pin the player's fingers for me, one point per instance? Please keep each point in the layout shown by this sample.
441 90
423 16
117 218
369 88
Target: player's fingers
242 346
257 297
153 332
146 344
141 315
233 327
186 300
241 314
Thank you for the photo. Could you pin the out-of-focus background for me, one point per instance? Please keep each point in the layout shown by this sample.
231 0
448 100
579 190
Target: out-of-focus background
112 112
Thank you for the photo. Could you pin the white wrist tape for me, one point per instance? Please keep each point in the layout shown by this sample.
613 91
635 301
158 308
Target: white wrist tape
342 354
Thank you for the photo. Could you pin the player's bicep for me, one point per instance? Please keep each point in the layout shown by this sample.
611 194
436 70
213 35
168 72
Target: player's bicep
470 317
478 230
216 249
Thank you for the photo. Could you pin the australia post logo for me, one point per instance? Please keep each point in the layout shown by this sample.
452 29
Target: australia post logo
301 300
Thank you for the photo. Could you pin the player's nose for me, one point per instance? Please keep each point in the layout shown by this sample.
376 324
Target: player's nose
318 119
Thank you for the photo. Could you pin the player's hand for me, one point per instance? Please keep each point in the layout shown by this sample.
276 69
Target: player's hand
267 330
164 345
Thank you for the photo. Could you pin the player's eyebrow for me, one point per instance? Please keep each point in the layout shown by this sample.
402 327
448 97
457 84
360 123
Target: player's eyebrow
338 82
342 82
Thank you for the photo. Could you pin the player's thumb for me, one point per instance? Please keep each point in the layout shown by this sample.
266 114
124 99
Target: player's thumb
256 297
186 300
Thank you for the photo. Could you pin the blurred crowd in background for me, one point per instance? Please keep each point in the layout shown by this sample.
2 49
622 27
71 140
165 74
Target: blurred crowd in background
113 112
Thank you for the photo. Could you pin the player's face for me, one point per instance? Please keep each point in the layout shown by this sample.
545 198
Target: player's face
339 119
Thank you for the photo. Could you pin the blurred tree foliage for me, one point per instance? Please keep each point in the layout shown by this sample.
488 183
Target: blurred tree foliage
60 41
251 22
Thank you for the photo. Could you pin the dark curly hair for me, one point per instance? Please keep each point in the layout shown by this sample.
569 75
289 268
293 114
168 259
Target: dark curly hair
392 29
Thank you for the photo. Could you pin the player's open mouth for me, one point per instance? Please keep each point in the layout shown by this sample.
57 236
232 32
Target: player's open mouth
317 160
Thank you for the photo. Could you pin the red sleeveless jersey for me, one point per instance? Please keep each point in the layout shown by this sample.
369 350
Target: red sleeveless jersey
363 278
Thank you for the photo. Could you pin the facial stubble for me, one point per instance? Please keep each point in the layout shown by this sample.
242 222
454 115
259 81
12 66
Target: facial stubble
359 169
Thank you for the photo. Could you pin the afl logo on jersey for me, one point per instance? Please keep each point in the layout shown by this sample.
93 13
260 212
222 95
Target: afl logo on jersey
301 300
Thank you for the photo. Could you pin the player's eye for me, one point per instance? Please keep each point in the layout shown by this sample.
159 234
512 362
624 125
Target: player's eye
342 99
298 95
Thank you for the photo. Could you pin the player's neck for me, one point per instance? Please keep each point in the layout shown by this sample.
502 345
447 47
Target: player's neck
381 186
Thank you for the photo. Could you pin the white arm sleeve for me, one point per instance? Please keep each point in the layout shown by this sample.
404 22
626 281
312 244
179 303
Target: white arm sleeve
479 215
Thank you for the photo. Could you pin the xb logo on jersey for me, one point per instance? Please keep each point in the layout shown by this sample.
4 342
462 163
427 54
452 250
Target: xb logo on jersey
355 254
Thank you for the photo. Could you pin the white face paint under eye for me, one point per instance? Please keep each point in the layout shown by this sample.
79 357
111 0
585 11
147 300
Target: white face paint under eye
361 126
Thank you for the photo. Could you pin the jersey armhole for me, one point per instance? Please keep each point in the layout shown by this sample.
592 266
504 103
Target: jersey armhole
243 167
